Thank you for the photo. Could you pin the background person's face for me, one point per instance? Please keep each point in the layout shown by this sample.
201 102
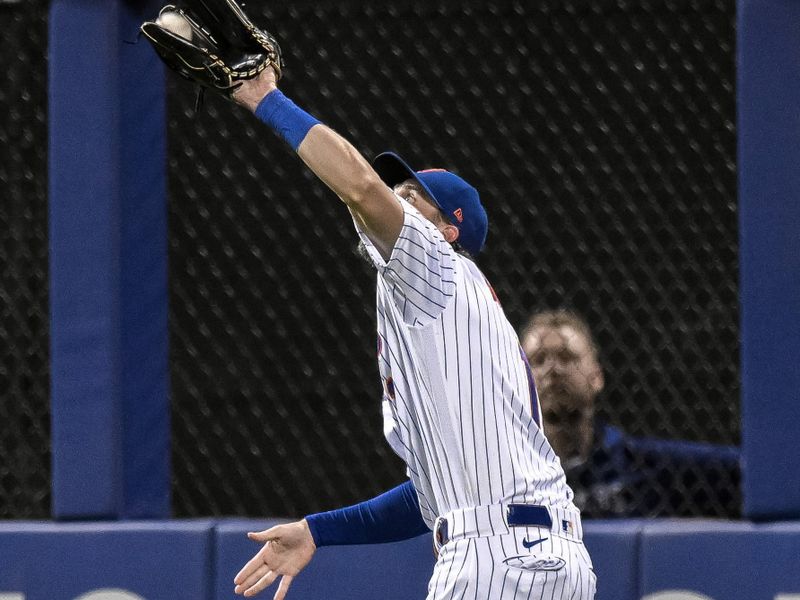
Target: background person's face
568 378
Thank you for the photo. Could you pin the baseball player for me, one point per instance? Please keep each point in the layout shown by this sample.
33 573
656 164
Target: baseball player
459 402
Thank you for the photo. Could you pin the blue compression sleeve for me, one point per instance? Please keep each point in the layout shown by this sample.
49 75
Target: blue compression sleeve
390 517
285 118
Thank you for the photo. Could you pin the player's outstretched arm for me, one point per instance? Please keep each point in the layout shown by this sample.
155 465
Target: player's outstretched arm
287 550
390 517
332 158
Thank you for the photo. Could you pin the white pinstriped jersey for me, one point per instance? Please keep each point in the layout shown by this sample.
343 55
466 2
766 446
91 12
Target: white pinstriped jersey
459 403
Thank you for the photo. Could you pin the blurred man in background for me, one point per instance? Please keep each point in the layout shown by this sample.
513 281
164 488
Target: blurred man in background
611 473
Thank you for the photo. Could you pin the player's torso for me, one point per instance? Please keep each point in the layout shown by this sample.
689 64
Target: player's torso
459 403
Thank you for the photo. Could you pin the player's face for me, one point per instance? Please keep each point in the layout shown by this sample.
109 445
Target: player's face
568 378
413 193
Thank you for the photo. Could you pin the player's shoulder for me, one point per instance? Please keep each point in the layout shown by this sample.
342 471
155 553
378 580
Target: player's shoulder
468 270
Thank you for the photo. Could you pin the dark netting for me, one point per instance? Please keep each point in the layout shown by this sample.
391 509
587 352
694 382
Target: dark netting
601 135
24 385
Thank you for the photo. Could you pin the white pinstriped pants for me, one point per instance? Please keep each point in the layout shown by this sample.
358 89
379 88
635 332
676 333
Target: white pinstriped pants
488 560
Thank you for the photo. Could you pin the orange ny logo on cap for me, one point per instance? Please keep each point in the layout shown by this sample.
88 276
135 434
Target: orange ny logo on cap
459 215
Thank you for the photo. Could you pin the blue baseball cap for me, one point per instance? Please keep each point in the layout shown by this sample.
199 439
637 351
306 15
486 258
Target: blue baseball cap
456 198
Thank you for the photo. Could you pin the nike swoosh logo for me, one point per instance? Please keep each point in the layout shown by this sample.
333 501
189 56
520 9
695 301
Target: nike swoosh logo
530 545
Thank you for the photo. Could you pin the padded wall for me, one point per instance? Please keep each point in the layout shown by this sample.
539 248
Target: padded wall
197 560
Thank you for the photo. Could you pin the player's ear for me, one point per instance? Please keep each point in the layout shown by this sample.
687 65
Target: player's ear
450 232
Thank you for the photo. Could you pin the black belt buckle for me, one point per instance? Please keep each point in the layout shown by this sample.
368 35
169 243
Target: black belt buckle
528 515
442 535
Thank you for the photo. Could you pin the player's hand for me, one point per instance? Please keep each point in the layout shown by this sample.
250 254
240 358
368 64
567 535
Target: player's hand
252 91
287 550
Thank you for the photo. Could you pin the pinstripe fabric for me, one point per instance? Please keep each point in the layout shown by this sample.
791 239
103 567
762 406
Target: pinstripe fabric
459 406
499 567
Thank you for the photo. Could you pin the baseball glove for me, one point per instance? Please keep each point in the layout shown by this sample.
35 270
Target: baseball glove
212 43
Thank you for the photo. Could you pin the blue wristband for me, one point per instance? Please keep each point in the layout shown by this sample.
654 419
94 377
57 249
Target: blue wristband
285 118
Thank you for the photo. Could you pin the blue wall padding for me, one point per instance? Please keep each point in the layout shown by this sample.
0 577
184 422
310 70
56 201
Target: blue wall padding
84 257
769 209
197 560
398 571
143 271
108 307
725 561
614 548
157 560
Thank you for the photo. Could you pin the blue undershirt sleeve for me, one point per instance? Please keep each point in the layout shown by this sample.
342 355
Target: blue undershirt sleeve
390 517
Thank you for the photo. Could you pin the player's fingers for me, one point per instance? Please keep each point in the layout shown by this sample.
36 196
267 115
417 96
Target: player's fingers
283 587
251 579
262 583
252 566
